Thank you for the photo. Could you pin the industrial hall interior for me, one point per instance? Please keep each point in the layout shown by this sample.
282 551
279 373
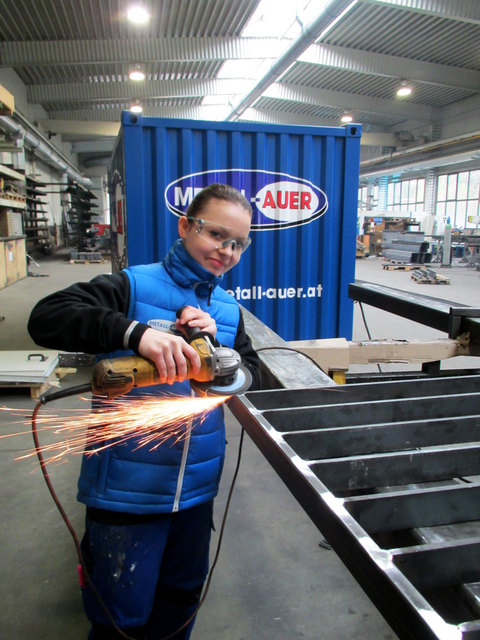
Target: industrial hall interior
328 287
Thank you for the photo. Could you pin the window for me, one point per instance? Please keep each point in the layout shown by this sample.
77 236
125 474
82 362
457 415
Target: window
368 198
406 195
458 198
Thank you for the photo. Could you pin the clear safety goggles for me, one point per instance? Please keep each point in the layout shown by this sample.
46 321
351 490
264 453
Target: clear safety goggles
218 235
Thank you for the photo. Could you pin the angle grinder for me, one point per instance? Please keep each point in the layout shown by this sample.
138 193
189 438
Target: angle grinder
221 371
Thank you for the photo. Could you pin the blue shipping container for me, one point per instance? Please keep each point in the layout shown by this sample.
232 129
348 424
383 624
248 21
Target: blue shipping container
302 182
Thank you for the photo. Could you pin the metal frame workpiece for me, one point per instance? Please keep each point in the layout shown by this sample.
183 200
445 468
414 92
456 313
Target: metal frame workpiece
389 472
443 315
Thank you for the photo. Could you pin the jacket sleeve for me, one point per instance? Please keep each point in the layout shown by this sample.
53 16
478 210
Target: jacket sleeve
88 316
249 356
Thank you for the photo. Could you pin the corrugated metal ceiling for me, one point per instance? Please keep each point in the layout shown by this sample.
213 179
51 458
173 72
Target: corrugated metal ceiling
410 34
69 45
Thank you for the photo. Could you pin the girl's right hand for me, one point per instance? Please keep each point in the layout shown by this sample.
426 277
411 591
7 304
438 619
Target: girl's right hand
170 353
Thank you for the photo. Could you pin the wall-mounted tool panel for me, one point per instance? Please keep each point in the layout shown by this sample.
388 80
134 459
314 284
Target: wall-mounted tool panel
390 474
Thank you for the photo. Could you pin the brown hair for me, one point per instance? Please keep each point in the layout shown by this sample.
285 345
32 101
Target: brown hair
220 192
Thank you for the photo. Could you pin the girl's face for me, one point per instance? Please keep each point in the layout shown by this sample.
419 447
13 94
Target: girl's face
219 223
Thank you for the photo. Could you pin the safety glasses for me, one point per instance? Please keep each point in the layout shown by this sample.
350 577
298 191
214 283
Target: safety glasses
218 235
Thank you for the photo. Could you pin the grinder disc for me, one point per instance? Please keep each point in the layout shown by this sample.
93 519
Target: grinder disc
240 384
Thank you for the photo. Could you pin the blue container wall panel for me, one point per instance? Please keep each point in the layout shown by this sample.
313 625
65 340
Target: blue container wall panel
302 183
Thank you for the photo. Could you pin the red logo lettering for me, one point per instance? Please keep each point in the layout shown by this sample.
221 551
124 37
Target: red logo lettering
269 201
305 200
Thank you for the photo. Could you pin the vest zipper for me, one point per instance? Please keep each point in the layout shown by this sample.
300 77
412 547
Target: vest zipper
183 465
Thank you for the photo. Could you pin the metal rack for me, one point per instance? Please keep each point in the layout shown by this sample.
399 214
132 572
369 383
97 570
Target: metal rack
387 468
36 219
390 474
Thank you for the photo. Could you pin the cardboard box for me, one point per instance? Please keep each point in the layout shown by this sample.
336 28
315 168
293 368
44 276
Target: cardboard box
7 102
13 261
10 223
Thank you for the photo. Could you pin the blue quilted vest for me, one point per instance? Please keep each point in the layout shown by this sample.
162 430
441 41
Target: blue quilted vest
176 476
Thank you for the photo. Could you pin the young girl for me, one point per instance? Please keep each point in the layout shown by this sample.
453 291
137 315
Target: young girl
149 513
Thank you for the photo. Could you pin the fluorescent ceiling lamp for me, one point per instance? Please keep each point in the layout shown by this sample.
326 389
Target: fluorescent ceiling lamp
136 107
346 118
136 75
138 14
404 90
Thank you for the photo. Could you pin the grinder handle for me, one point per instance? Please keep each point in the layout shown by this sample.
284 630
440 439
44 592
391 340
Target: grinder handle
190 332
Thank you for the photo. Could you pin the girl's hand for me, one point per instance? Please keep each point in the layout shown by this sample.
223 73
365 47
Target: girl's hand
194 317
170 353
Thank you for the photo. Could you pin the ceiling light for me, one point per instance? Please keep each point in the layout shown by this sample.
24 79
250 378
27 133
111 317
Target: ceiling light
346 118
137 75
136 107
404 90
138 14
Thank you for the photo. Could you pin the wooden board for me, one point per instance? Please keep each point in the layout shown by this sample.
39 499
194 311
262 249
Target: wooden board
9 249
20 258
3 271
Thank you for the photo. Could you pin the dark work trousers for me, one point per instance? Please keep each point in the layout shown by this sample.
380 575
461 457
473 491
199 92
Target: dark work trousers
149 574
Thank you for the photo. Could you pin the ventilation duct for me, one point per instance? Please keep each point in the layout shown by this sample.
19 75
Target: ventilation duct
44 150
330 13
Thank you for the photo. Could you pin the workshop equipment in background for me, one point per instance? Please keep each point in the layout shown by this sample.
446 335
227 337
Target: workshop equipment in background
429 276
405 246
361 251
399 266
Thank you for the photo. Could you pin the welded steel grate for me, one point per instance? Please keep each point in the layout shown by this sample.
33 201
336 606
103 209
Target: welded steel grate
390 474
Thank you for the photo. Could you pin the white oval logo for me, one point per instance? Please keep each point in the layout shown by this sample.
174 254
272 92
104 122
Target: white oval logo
278 200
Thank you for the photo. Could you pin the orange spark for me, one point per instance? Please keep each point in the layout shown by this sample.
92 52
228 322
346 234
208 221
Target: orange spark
152 421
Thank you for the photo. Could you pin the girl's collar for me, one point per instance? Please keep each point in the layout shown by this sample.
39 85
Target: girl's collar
187 272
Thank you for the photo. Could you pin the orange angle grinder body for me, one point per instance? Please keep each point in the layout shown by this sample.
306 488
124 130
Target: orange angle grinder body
221 374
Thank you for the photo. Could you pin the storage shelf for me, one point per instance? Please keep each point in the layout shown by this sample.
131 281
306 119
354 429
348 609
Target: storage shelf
11 173
12 203
35 217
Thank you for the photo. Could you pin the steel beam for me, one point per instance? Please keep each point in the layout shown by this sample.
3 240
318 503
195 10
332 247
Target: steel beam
444 315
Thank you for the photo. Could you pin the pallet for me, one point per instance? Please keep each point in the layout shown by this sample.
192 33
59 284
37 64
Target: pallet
399 266
15 197
428 276
86 261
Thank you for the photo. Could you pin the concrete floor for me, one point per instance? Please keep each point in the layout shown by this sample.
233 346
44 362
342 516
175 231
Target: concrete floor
273 580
